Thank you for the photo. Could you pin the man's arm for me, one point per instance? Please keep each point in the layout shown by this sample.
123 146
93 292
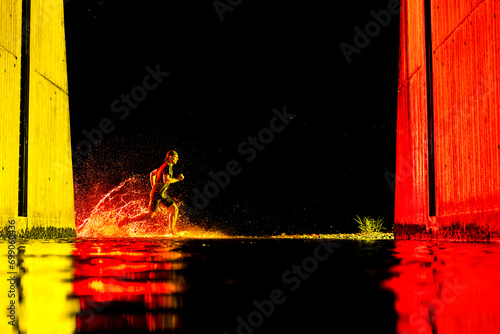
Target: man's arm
152 178
168 179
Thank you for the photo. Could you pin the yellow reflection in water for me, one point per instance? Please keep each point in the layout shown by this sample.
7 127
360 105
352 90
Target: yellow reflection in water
44 273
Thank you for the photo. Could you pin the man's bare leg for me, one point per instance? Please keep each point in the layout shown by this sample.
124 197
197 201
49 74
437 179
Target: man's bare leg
174 210
139 217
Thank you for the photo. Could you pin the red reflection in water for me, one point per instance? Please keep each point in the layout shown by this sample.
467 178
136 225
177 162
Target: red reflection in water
446 287
128 284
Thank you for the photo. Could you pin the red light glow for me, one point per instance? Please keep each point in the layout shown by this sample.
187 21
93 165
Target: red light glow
129 199
446 287
109 274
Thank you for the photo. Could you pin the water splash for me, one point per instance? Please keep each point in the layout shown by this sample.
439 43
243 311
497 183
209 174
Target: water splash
129 199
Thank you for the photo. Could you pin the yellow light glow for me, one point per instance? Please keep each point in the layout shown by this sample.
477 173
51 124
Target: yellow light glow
46 275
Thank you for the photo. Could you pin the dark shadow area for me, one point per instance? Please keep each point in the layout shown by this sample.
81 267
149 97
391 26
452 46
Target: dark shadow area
322 168
234 286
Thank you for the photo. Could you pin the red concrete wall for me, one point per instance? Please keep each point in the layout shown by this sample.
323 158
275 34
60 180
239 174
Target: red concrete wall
411 163
466 96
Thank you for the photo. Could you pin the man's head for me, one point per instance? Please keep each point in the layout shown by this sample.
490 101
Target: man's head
172 157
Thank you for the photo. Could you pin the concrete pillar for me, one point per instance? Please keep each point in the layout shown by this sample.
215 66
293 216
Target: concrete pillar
49 182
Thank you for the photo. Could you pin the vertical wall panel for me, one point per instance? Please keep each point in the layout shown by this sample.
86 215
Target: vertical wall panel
466 88
50 177
10 83
411 205
466 107
412 201
50 186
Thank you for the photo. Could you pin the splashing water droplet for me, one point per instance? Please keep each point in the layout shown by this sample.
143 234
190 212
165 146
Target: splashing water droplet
129 199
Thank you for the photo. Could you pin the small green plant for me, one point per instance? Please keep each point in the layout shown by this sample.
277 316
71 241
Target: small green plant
368 224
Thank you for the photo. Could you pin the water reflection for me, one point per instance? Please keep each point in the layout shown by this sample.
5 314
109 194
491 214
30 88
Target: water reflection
445 287
128 285
194 286
43 272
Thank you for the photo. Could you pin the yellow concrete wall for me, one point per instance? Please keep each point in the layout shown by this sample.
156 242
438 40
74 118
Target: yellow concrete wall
50 172
10 83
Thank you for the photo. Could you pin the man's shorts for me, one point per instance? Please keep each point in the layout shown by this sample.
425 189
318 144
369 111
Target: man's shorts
160 198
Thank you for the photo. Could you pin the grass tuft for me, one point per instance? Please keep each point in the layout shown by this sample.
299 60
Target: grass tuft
38 232
369 225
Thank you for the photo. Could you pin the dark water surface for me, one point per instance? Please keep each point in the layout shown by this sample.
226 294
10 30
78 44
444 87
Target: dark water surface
254 286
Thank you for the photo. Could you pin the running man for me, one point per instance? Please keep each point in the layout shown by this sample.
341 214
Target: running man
160 179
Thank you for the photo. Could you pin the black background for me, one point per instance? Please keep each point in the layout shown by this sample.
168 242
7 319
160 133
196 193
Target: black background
225 78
